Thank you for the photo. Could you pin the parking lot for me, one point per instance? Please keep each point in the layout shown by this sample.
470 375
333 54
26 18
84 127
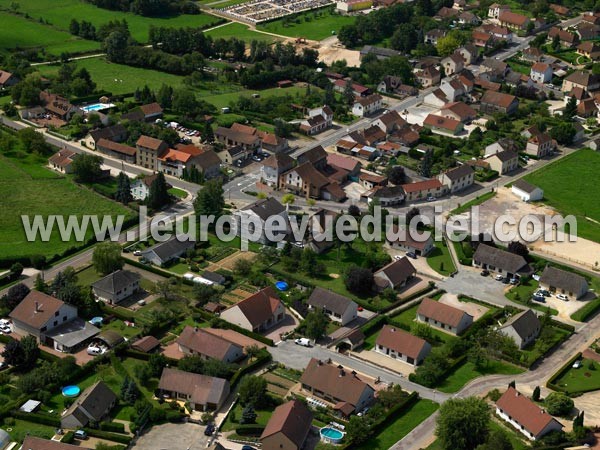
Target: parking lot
173 436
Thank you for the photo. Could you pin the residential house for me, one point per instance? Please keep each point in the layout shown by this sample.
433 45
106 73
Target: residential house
493 102
443 124
587 108
373 135
523 328
469 54
386 195
381 53
151 111
115 133
239 136
458 111
494 10
175 162
321 224
503 144
203 393
589 49
559 9
252 222
432 36
493 69
428 77
541 72
58 106
583 79
62 161
258 313
117 286
437 98
274 166
117 150
482 38
453 64
92 406
446 13
304 180
232 155
563 282
540 145
365 106
207 162
7 79
140 188
400 344
527 192
524 415
390 122
439 315
165 252
513 20
503 162
402 240
317 156
371 180
288 427
393 85
566 38
334 384
358 90
405 137
499 261
199 342
337 307
319 119
36 443
394 275
457 179
350 166
149 149
423 189
468 18
532 54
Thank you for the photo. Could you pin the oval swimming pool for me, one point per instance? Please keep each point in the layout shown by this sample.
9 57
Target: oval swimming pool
281 285
331 435
71 391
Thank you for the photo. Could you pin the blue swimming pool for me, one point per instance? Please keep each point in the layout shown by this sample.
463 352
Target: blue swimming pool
331 435
97 107
71 391
282 285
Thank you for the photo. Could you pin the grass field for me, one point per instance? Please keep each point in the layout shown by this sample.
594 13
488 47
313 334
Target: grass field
18 32
476 201
583 379
240 31
315 25
21 429
400 427
440 260
467 371
515 439
577 191
26 188
60 12
221 100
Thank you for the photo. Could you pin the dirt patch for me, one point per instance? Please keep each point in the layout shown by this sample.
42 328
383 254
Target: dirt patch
228 263
331 50
474 309
277 380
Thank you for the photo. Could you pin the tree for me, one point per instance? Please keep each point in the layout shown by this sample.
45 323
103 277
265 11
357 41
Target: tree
13 353
31 351
358 430
411 214
463 424
253 390
558 404
555 42
358 280
287 200
446 45
476 356
123 194
536 394
21 354
129 391
115 46
497 440
248 415
15 295
243 266
39 284
158 195
564 133
164 96
252 351
425 165
156 363
16 270
354 210
107 257
518 248
570 108
396 175
208 136
203 293
315 324
87 168
33 141
210 200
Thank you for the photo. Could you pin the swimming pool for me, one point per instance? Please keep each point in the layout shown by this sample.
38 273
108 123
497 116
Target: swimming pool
97 107
71 391
281 285
331 435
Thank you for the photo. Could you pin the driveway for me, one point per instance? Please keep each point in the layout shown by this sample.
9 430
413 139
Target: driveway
171 436
469 282
288 324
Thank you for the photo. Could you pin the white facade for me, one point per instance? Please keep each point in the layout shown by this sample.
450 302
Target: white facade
552 426
465 322
139 190
391 353
534 196
541 76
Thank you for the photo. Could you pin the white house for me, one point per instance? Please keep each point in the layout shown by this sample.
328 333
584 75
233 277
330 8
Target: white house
251 221
117 286
399 344
439 315
337 307
527 192
523 328
541 72
364 106
458 178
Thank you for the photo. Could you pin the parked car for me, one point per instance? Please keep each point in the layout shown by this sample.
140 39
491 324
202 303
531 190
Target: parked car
505 280
514 281
411 255
5 329
577 364
562 297
3 365
499 277
4 322
484 273
256 158
544 292
209 430
360 308
137 253
538 298
430 198
80 434
397 257
304 342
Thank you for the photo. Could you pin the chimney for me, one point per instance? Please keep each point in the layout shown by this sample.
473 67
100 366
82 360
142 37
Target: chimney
340 366
328 360
319 362
37 307
195 329
342 373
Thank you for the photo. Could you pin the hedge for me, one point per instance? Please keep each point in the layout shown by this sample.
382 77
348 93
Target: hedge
565 367
68 438
222 324
586 311
115 427
121 439
414 295
263 358
373 326
249 430
37 418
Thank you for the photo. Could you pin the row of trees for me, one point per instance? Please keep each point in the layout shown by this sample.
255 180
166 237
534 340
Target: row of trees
87 30
151 8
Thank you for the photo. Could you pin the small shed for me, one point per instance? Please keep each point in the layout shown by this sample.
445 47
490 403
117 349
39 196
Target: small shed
110 338
146 344
527 192
29 406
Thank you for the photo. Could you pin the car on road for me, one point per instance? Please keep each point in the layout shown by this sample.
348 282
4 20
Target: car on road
411 255
209 430
304 342
80 434
484 273
430 198
499 277
562 297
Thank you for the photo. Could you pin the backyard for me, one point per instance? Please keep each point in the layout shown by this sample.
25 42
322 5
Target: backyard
584 379
440 259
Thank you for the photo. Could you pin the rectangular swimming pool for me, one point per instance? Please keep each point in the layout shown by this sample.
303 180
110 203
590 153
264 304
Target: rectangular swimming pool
97 107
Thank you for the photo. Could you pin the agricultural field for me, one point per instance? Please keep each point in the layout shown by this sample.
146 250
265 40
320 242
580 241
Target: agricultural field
60 12
41 191
577 191
18 32
315 25
239 31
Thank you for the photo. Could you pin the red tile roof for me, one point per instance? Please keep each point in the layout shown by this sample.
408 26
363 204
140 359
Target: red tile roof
292 419
424 185
401 341
441 312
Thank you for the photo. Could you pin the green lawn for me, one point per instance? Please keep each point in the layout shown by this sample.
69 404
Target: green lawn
21 429
262 418
26 188
401 426
18 32
515 439
88 276
240 31
222 100
60 12
440 260
476 201
523 293
315 25
577 192
583 379
541 346
179 193
467 371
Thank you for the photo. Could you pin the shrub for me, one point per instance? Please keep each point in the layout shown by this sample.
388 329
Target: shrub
558 404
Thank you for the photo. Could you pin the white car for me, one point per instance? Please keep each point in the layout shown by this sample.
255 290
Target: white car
303 342
4 323
397 257
5 329
562 297
499 277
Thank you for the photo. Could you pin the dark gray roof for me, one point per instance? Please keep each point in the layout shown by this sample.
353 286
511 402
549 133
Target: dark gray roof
389 191
379 51
459 172
166 250
95 400
213 276
524 186
110 338
525 323
562 279
266 208
109 132
506 155
313 155
398 271
116 281
499 258
324 298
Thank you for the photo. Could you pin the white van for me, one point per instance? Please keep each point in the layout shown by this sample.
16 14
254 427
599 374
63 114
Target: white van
303 342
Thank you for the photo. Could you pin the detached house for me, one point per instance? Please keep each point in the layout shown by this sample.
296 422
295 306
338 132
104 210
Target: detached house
408 244
62 160
390 121
443 124
458 111
115 133
423 189
582 79
499 261
457 179
288 427
304 180
149 149
527 417
513 20
197 341
7 79
561 281
428 77
258 217
337 307
493 102
93 406
394 275
589 50
453 64
117 286
167 251
319 119
541 72
365 106
204 393
503 162
540 145
140 188
446 317
258 312
523 328
399 344
566 38
331 382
